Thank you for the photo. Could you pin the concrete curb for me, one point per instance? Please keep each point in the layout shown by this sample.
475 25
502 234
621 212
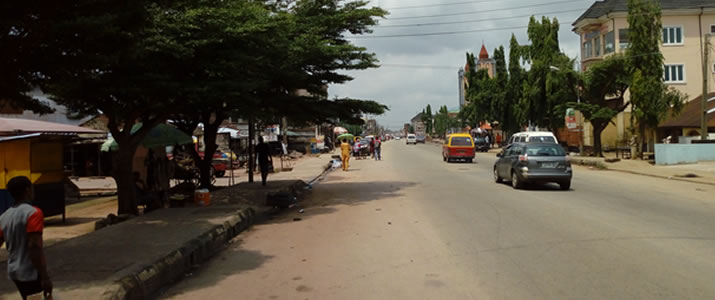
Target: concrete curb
147 282
590 163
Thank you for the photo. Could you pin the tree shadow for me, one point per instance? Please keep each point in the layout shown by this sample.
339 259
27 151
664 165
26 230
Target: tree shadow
231 261
82 267
325 196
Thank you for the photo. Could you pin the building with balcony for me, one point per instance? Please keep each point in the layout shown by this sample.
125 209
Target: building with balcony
603 31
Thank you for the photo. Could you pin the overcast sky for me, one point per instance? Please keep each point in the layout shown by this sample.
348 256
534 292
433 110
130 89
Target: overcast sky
407 87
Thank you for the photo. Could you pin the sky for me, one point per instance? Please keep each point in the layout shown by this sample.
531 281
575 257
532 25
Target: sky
420 70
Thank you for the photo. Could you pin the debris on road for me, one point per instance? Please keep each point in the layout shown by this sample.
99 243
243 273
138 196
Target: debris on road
296 219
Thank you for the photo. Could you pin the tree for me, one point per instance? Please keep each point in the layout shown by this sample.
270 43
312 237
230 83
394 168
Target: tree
651 99
23 29
514 116
603 89
479 93
304 51
427 118
546 89
499 106
107 59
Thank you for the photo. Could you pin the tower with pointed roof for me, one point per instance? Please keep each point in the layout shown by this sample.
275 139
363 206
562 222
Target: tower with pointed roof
484 62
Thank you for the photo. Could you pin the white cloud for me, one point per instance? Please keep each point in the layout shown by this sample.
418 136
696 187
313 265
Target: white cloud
408 90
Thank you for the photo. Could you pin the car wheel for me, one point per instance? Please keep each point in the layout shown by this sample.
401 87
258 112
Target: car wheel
497 178
444 158
515 182
449 160
470 161
565 186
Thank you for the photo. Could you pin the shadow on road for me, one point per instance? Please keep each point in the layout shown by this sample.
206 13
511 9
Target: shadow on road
221 268
328 194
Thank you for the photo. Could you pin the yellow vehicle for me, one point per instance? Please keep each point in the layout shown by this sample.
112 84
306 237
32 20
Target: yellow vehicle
458 146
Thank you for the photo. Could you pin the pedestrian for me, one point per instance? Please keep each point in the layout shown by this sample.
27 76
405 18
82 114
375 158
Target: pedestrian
21 227
345 152
487 140
498 139
264 159
372 147
378 146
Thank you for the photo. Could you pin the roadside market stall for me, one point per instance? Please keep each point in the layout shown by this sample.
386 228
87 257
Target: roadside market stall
35 149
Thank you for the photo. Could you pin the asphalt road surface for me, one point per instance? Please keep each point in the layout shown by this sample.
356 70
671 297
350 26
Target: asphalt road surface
414 227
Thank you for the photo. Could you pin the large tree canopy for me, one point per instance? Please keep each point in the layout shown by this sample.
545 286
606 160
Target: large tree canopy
192 61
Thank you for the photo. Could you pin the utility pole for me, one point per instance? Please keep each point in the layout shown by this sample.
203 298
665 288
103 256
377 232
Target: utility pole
704 100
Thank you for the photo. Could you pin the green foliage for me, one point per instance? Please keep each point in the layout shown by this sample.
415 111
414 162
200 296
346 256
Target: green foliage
651 99
428 119
545 90
22 40
443 122
514 114
193 61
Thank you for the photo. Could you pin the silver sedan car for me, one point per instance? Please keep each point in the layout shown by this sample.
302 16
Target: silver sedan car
523 163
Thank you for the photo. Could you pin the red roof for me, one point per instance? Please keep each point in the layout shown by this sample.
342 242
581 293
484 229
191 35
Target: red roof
12 126
483 54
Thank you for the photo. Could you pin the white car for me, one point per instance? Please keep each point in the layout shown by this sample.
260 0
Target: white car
411 139
533 137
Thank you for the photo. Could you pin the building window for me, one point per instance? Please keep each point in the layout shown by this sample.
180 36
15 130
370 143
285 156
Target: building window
672 35
623 38
712 28
597 45
609 43
674 73
587 49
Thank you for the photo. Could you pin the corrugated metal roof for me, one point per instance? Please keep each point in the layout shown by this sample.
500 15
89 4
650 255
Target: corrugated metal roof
12 126
601 8
690 116
18 137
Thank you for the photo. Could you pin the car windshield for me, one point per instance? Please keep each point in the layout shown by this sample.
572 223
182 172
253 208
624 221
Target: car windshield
461 141
545 150
542 139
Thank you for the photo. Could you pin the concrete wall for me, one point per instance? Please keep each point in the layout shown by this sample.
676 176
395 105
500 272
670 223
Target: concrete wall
672 154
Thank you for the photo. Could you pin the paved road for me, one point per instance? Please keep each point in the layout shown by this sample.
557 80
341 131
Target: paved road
414 227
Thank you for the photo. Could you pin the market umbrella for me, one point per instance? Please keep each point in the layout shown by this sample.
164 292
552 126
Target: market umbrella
160 136
345 136
340 130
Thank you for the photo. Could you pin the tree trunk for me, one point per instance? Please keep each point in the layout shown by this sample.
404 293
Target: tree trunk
124 176
596 131
639 141
206 163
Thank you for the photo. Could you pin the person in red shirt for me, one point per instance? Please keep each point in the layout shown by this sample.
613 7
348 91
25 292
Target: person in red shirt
21 228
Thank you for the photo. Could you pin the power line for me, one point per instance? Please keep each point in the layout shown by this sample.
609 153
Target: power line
441 4
436 33
488 10
418 66
476 21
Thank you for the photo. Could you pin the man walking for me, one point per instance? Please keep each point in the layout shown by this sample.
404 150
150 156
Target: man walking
264 159
378 147
21 227
345 152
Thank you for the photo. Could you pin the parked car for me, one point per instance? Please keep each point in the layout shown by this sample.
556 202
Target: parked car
481 144
523 163
411 139
458 146
420 139
533 137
